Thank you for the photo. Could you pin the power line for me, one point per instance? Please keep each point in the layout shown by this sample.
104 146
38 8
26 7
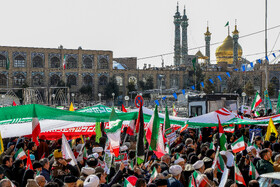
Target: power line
251 34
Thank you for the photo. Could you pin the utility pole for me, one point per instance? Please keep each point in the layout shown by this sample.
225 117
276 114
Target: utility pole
266 64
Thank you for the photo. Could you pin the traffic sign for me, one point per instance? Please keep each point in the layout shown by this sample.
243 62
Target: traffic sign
126 98
138 100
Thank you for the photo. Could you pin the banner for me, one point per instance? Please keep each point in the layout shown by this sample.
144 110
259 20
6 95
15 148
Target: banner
122 158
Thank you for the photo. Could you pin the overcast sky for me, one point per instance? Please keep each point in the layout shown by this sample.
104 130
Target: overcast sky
132 28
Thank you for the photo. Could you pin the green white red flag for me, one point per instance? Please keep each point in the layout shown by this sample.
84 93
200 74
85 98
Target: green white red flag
154 135
127 183
113 131
36 130
153 175
238 145
229 129
20 154
238 176
253 172
64 62
256 102
198 180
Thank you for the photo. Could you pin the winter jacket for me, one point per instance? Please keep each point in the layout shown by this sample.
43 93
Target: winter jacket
264 166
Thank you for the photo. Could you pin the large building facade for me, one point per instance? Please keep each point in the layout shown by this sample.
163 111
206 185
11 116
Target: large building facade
44 67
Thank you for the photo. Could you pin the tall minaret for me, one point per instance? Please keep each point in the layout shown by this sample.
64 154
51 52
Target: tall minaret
185 25
207 44
177 45
235 35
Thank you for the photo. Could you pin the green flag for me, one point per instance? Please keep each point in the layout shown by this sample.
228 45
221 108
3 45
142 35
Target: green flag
167 129
194 63
227 24
278 105
7 63
140 148
97 132
267 101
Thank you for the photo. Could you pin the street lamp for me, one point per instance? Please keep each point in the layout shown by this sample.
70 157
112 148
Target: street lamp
113 94
99 95
187 98
126 98
53 96
72 94
243 95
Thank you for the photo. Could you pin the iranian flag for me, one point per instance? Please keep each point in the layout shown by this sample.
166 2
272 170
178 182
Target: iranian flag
238 176
20 154
64 62
229 129
220 163
198 180
127 183
113 131
238 145
222 137
166 125
154 135
153 175
256 102
36 130
253 172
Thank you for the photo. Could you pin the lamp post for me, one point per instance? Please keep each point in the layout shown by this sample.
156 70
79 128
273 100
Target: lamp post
113 94
160 88
53 96
187 108
126 98
99 95
72 94
243 95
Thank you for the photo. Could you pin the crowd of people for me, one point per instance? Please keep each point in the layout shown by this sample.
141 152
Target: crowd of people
188 153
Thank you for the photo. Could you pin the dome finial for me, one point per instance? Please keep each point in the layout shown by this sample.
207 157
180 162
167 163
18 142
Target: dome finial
235 32
208 33
177 6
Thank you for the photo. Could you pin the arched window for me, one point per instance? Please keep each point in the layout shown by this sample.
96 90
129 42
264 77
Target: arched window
71 63
54 80
3 61
37 62
103 64
103 80
19 61
275 83
119 80
19 79
37 80
174 82
88 80
55 62
87 63
71 80
3 80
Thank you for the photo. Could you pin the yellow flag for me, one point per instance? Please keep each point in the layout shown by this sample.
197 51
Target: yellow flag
82 139
71 108
1 144
270 128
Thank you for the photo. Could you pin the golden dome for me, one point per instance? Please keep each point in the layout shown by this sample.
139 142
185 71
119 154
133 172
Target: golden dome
224 53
